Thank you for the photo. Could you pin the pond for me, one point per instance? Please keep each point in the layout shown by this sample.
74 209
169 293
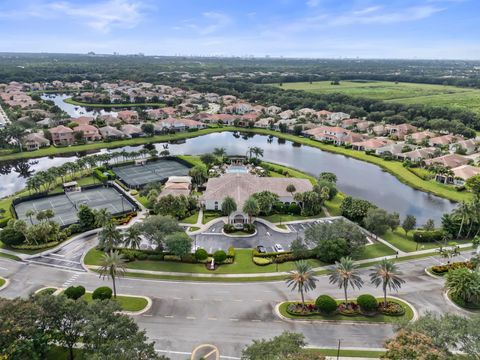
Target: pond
356 178
74 110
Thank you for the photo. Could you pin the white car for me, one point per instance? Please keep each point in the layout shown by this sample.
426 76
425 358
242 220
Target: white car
278 248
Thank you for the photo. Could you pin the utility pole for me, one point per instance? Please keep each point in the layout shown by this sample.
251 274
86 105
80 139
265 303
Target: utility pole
338 349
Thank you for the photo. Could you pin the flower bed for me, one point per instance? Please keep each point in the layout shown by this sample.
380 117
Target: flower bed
396 310
443 269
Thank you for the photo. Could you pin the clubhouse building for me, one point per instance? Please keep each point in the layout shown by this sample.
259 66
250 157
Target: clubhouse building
240 186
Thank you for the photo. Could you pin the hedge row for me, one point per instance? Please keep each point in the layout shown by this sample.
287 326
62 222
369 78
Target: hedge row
423 236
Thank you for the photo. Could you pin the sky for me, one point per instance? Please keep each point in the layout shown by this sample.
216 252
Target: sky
424 29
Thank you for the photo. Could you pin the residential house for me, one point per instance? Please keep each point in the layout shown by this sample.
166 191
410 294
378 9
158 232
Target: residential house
110 120
418 155
128 116
394 149
467 147
363 125
464 172
443 140
287 122
35 141
401 130
176 186
371 144
287 114
111 133
264 123
449 161
82 120
334 134
419 137
179 124
349 123
273 110
132 130
336 117
380 130
62 135
90 132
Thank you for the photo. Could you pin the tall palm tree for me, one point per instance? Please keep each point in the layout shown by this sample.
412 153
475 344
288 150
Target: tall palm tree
344 274
220 152
386 274
302 278
109 236
102 217
463 210
29 213
133 236
251 208
112 265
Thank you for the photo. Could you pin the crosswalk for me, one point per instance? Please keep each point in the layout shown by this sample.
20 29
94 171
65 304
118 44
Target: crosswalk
70 281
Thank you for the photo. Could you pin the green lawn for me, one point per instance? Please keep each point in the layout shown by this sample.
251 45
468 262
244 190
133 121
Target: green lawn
405 243
346 353
192 219
142 200
333 206
379 318
193 228
128 303
243 265
8 256
210 215
375 251
405 93
279 218
2 281
58 353
278 170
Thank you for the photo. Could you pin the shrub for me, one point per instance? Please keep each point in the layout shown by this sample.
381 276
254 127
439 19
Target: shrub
367 303
172 258
74 292
423 236
219 256
157 257
74 229
249 228
442 269
201 254
231 252
294 209
11 237
100 175
326 304
229 228
102 293
261 261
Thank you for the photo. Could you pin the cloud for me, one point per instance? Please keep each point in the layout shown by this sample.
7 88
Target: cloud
217 21
103 16
377 15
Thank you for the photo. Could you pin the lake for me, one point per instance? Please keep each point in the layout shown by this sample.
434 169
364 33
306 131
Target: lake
356 178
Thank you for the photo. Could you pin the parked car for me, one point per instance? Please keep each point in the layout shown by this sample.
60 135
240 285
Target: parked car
278 248
261 249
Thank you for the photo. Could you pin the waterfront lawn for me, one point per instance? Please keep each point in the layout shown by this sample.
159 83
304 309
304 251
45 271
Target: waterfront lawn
405 243
378 318
279 170
375 251
333 206
281 218
193 160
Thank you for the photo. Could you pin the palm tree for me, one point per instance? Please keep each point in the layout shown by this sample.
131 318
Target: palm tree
302 278
112 265
220 152
345 274
386 274
463 210
133 237
251 208
291 189
29 213
102 217
109 236
228 206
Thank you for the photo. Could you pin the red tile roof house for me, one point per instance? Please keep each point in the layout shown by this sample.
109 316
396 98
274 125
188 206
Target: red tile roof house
132 131
179 124
400 131
226 119
418 137
62 135
128 116
450 161
335 134
110 132
35 141
418 154
90 132
460 174
371 144
443 140
363 125
470 146
82 120
155 114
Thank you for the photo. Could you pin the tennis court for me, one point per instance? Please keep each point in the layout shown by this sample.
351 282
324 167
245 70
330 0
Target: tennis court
66 206
156 171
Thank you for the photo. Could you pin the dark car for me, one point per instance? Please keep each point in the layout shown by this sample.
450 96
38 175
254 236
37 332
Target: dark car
261 249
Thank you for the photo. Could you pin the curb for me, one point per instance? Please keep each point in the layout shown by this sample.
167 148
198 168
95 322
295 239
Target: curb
7 282
239 236
47 287
432 275
346 322
449 301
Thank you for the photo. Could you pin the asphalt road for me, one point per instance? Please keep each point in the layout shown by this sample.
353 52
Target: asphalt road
230 315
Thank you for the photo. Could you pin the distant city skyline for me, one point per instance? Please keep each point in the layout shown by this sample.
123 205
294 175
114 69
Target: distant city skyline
399 29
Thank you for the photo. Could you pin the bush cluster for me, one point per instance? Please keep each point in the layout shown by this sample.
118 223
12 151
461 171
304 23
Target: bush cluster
367 303
102 293
74 292
423 236
442 269
201 254
326 304
219 256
